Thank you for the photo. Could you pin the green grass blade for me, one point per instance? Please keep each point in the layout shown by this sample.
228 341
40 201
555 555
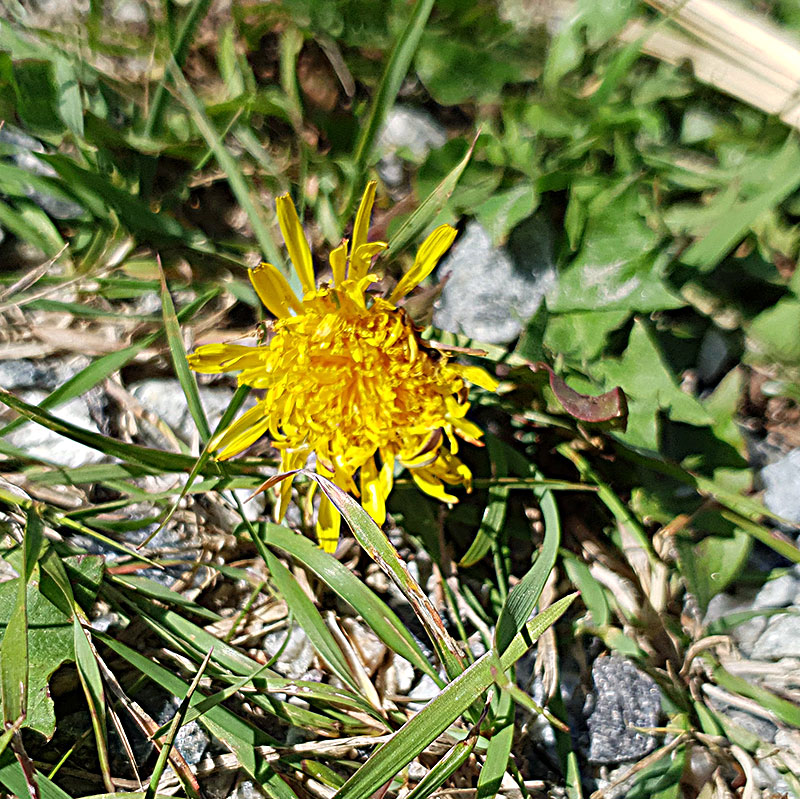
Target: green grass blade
240 737
178 351
380 549
429 207
452 760
229 166
180 50
494 514
12 777
309 619
499 749
106 365
176 724
788 712
443 710
380 618
396 70
92 684
525 594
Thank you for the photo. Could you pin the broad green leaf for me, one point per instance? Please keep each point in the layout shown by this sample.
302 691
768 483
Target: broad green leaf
618 266
650 386
49 644
712 564
778 177
15 650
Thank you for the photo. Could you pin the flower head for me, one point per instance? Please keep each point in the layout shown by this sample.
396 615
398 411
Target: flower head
347 377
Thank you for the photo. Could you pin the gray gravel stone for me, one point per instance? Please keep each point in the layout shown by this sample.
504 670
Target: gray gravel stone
778 593
423 692
23 149
42 375
780 639
408 132
296 658
782 482
625 698
39 442
165 398
493 291
191 740
412 130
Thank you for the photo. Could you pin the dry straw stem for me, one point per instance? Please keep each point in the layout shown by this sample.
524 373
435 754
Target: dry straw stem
732 49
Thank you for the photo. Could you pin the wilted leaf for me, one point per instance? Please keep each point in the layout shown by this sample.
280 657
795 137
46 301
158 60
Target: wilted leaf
602 408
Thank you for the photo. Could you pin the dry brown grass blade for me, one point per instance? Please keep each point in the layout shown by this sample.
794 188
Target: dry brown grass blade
731 48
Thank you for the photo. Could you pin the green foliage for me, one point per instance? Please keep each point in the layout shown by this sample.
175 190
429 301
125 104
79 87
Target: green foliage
672 213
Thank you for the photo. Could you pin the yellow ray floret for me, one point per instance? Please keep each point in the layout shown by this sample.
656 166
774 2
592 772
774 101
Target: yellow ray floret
347 378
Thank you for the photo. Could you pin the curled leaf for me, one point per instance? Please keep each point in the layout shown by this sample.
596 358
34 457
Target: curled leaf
611 406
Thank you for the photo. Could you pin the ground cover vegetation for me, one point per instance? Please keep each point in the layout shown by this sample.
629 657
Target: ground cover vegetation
610 445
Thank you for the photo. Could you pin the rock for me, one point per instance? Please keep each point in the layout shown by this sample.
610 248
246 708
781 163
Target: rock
425 690
410 132
165 398
778 593
41 375
403 673
129 12
625 698
40 442
24 148
493 291
248 790
782 482
780 639
369 647
296 657
191 740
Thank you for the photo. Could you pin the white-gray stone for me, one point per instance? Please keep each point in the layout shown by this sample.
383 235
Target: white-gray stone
403 673
493 291
40 442
296 658
778 593
425 690
780 639
411 131
782 482
165 398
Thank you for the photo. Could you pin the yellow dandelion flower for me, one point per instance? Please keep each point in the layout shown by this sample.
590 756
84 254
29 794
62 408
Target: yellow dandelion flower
347 377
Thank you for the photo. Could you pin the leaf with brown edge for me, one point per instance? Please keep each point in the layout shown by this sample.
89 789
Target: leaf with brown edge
609 407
